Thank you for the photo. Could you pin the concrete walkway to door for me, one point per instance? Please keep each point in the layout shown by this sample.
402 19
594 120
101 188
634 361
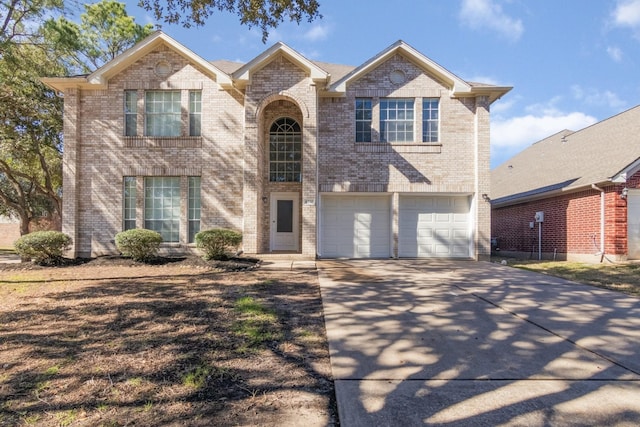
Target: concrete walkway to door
428 342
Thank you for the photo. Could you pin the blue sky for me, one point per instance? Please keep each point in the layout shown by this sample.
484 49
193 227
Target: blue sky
571 62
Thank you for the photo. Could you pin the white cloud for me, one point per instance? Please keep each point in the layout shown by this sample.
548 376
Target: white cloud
502 106
517 133
317 32
615 53
590 96
627 13
478 14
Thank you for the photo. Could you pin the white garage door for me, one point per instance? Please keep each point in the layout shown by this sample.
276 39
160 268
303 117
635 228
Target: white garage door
355 227
633 224
434 226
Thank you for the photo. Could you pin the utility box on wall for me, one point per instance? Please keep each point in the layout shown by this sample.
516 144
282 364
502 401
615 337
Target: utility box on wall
539 217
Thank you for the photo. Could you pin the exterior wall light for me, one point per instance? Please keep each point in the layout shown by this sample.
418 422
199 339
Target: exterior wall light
624 192
486 198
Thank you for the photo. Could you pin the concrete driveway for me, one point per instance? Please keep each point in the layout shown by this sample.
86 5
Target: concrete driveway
427 342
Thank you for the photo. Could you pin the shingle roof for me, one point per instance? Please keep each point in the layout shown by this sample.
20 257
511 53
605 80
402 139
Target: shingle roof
570 160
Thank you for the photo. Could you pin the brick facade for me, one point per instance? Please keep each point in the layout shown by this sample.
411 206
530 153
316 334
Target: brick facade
232 155
571 228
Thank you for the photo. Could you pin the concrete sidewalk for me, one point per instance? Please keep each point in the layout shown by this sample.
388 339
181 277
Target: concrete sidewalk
9 259
427 342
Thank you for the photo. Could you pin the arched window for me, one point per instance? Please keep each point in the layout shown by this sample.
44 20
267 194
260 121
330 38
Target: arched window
285 151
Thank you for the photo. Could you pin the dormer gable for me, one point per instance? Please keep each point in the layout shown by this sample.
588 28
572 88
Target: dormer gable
457 86
100 77
243 75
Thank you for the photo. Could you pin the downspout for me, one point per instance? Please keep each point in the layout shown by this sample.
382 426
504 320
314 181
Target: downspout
595 187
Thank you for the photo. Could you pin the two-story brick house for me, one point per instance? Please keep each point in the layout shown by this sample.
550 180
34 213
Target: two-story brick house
387 159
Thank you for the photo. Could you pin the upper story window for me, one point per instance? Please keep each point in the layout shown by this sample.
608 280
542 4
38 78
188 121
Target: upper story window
396 120
162 113
430 119
130 112
285 151
195 112
363 119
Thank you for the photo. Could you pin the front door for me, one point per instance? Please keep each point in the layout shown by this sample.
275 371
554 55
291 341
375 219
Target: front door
285 219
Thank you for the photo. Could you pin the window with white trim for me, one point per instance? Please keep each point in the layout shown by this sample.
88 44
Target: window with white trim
162 206
129 203
285 151
364 115
130 112
430 119
162 113
396 119
194 207
195 112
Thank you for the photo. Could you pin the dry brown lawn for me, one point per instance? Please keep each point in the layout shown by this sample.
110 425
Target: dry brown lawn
623 277
113 343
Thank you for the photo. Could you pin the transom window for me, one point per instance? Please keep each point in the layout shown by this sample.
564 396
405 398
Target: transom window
396 120
285 151
430 118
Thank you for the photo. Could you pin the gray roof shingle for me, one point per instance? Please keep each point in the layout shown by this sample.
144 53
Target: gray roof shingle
570 160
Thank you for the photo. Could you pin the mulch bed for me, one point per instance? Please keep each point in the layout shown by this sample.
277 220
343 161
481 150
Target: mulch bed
111 342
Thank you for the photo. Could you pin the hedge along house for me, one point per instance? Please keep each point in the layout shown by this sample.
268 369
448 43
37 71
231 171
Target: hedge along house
585 187
386 159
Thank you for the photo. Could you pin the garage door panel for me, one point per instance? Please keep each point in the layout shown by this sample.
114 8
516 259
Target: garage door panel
461 218
443 217
434 226
364 230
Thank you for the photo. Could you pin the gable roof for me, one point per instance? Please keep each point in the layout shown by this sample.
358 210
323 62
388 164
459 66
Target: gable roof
100 77
605 152
243 74
457 86
333 78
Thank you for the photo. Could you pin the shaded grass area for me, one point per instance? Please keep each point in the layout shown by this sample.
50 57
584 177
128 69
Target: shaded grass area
623 277
162 345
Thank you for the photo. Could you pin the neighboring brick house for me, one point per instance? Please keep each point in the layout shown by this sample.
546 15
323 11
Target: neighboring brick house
9 231
586 183
386 159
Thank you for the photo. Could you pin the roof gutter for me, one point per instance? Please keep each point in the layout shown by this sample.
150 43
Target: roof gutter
602 222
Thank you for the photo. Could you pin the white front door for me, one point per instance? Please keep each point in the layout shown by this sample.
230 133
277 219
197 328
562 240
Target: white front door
285 220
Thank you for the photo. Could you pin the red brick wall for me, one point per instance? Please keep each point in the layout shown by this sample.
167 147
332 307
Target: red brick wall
571 224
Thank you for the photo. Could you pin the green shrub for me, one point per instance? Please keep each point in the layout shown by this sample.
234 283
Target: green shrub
140 244
43 247
216 242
